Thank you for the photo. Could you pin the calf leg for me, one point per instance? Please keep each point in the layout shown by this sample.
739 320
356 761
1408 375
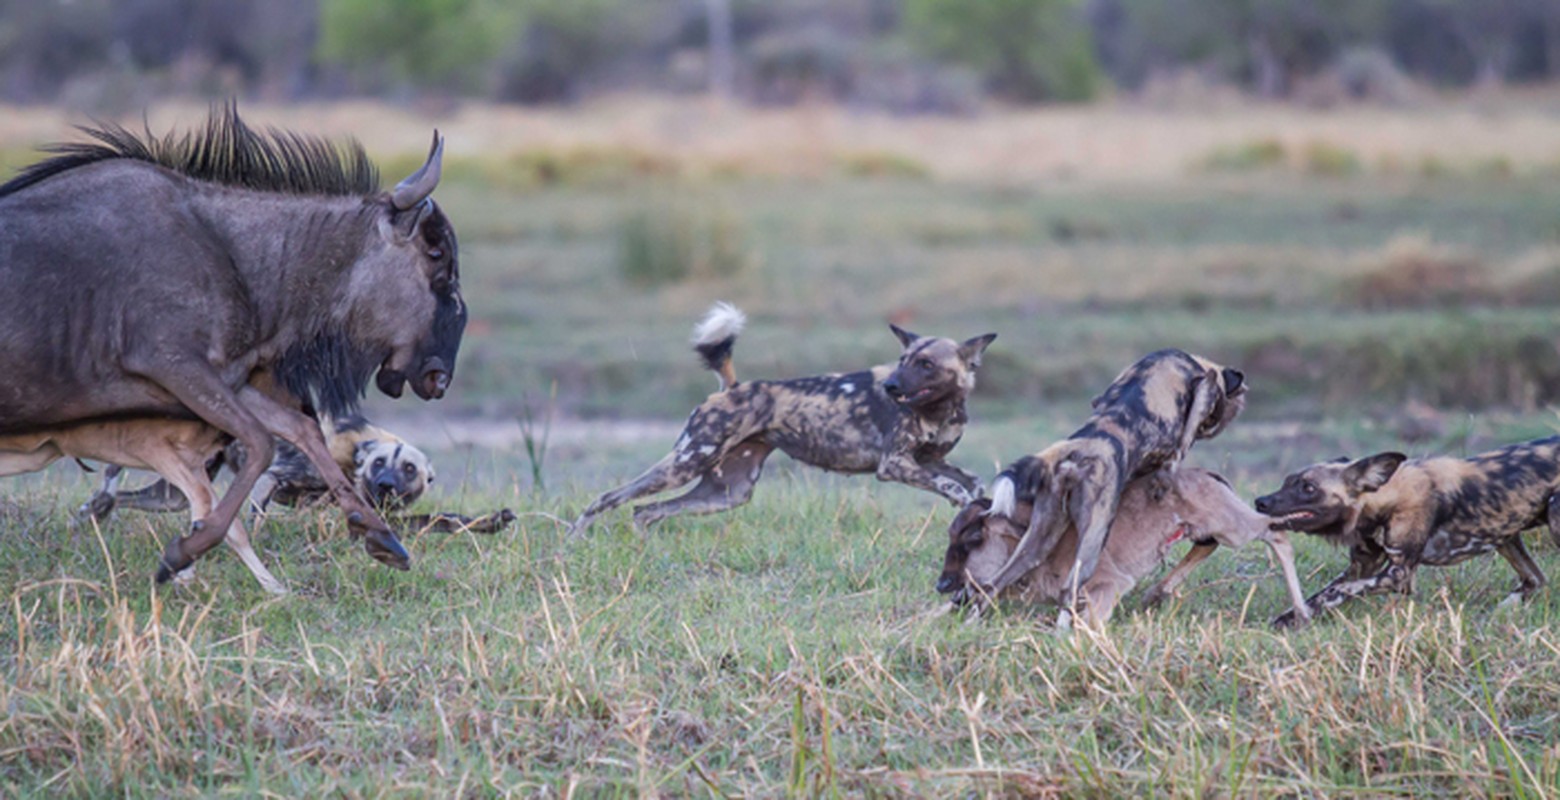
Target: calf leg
1285 552
727 484
304 434
1167 585
192 483
1529 577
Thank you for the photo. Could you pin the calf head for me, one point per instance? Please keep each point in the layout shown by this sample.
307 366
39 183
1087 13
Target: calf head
934 370
404 293
391 473
1325 499
979 544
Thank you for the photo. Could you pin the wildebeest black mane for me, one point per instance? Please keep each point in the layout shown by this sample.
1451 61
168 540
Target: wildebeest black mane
328 372
225 151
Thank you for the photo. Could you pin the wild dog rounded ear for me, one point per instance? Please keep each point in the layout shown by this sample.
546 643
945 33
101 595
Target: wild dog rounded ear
360 452
972 348
1372 472
1234 380
905 337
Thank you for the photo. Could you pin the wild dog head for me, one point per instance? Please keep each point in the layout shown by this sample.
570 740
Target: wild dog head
1226 393
390 472
932 370
979 544
1325 499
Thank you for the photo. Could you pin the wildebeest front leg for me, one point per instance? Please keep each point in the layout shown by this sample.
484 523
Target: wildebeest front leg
901 467
304 434
1530 578
1167 585
727 484
204 393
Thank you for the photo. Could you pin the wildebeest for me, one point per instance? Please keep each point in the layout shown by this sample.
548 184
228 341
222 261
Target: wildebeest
224 276
897 421
1156 511
1147 419
1396 514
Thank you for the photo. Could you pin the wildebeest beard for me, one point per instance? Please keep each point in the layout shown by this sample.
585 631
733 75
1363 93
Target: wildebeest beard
331 371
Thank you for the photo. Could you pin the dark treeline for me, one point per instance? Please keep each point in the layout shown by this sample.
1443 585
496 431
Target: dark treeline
912 55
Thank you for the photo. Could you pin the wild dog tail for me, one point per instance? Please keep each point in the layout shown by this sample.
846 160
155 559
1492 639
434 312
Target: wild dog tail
1022 480
715 336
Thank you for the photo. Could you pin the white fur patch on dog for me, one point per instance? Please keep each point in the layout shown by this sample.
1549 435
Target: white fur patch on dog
1003 498
723 321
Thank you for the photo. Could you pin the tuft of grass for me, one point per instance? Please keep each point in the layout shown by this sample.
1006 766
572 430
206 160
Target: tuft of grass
882 164
1412 271
1257 154
663 242
1325 159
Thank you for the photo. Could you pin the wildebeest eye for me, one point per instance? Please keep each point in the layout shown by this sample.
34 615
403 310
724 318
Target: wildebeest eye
435 253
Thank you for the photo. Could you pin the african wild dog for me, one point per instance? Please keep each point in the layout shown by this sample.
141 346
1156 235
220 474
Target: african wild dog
1395 514
899 422
1156 510
1146 420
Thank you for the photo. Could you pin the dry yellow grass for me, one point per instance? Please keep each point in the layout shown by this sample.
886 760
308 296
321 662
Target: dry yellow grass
1113 141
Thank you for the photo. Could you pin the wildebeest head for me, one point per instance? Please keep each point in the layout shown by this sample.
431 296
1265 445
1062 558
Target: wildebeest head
1326 498
934 369
391 473
979 544
405 290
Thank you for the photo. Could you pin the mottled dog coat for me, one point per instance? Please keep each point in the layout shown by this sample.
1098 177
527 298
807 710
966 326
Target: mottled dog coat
1146 420
897 421
1395 514
1156 511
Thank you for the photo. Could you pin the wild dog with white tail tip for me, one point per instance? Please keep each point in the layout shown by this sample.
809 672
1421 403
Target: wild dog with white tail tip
896 421
1395 515
1146 420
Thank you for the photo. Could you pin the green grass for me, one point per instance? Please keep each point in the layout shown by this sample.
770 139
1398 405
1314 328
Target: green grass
792 646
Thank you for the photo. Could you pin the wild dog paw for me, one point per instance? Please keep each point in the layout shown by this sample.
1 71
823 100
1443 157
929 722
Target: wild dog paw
1289 620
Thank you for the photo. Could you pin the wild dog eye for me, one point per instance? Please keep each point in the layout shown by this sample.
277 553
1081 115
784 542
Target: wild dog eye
924 363
409 469
1308 488
378 463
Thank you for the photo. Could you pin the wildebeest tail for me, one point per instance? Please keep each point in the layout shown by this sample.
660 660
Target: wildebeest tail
1021 481
715 336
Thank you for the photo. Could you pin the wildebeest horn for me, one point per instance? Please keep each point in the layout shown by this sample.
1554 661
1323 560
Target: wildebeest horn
417 186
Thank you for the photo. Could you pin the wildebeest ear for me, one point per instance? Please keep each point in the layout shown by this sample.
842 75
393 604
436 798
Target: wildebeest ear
972 348
1234 379
905 337
415 188
1372 472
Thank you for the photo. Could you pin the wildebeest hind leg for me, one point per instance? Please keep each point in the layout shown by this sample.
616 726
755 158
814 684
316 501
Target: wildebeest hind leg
304 434
727 484
208 397
1530 577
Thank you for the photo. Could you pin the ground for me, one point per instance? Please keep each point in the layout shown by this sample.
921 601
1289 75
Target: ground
796 646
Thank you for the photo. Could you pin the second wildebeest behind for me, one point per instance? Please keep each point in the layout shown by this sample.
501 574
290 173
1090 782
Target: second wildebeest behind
225 276
897 421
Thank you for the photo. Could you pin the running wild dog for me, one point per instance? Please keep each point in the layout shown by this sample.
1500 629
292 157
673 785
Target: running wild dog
897 421
1146 420
1395 514
1156 511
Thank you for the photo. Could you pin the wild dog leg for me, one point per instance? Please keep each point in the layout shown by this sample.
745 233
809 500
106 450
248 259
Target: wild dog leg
728 484
1554 519
1167 585
1363 561
102 502
901 467
304 434
1396 576
676 469
448 522
1093 504
1530 577
969 480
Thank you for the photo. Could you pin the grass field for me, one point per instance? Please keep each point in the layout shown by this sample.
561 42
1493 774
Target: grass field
795 646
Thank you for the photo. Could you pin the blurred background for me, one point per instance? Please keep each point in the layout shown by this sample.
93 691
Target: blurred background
1356 201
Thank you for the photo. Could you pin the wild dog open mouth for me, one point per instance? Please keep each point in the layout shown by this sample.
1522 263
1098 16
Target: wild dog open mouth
911 398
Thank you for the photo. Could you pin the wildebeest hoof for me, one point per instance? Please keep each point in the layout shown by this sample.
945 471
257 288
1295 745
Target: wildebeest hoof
387 550
174 561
